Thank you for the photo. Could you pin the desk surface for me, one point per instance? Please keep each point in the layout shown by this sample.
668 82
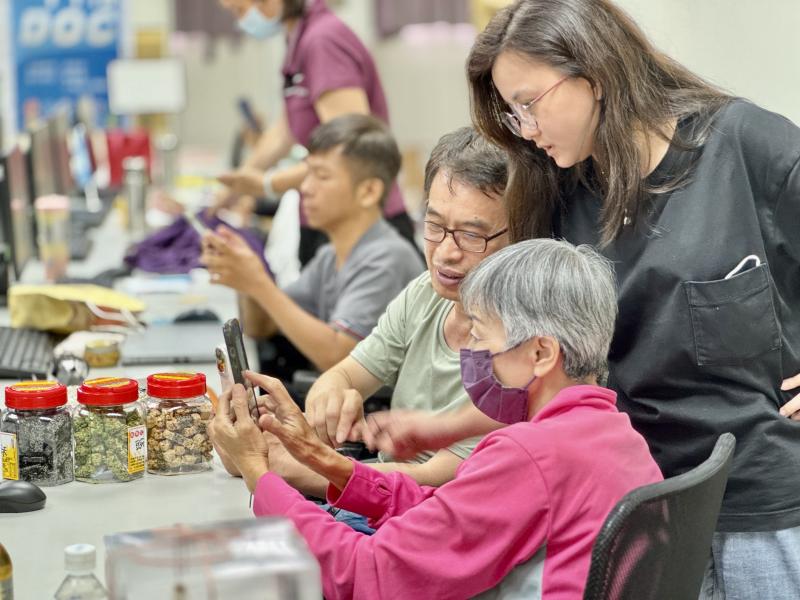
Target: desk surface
80 512
83 512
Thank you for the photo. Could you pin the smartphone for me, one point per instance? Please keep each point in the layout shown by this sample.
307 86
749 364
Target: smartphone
232 332
247 113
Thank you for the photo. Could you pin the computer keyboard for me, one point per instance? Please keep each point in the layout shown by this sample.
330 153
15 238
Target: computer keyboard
25 354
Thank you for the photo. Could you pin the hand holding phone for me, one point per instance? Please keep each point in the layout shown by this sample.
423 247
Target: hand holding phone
232 332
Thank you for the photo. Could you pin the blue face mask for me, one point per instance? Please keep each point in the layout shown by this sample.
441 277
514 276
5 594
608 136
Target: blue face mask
256 25
507 405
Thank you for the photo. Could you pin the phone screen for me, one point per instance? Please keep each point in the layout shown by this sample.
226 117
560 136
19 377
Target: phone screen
232 332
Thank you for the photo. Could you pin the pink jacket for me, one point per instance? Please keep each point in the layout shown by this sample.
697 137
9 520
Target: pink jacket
530 499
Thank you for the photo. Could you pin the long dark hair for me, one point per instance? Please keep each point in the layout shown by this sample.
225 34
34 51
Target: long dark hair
642 90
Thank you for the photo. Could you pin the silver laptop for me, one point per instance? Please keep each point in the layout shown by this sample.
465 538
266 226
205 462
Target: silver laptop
173 344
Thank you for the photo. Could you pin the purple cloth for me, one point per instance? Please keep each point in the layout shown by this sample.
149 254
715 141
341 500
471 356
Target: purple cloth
176 248
324 55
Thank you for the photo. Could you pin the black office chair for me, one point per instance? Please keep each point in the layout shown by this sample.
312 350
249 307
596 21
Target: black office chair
655 543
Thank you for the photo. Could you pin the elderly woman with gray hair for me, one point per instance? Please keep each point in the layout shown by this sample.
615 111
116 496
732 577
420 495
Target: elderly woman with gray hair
522 513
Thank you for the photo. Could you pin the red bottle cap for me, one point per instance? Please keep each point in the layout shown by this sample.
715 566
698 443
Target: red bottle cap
108 391
176 385
32 395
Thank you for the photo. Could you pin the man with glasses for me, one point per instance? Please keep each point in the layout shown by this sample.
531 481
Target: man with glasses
415 346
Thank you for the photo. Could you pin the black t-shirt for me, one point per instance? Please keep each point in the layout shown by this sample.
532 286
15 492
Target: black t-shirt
695 354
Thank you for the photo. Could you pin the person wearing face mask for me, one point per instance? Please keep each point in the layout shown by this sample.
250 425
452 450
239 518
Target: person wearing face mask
327 72
533 495
414 346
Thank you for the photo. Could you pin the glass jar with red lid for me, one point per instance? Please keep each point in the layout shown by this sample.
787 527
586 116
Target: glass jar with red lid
109 430
36 433
178 412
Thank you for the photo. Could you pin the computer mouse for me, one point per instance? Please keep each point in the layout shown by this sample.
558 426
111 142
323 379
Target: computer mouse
197 314
20 496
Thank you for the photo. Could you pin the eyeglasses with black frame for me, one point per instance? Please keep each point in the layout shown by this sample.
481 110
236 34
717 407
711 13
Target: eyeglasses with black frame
467 241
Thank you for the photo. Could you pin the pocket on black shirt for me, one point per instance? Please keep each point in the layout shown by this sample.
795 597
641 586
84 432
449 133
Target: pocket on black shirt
733 319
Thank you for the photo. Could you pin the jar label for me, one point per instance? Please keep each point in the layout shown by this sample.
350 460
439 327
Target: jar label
107 382
175 376
34 386
137 448
9 456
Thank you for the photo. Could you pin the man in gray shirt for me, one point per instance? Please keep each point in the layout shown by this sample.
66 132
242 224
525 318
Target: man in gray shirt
353 161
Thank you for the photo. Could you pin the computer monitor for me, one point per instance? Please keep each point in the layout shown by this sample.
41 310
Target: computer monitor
59 139
43 176
19 210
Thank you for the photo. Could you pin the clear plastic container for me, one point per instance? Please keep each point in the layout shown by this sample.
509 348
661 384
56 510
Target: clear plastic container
254 559
109 430
37 433
178 411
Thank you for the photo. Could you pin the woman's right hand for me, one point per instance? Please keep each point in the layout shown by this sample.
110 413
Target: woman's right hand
283 419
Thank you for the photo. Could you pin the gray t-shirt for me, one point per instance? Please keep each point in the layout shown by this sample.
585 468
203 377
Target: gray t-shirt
407 351
353 297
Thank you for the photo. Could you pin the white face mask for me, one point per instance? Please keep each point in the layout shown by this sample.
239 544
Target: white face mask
255 24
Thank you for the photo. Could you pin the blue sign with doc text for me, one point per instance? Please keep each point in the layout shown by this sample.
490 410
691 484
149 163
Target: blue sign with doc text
61 49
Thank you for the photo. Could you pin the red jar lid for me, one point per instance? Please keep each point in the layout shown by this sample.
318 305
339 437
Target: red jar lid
32 395
108 391
176 385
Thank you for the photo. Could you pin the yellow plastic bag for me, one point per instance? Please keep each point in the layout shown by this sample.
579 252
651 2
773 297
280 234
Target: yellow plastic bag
66 308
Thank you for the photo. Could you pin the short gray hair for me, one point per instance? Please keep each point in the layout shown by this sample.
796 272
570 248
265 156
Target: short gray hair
545 287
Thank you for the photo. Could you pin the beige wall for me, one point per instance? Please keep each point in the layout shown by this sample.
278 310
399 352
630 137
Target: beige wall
750 48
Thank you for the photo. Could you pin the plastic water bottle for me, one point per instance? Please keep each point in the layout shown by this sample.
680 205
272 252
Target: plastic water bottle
80 582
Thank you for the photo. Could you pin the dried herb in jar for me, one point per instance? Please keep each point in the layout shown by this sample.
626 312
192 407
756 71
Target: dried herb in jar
177 437
109 431
36 414
101 442
178 412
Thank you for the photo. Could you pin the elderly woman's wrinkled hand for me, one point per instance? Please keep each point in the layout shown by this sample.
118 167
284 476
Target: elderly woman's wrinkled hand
240 439
281 417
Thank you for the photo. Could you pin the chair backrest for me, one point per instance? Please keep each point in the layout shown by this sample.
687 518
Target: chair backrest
655 543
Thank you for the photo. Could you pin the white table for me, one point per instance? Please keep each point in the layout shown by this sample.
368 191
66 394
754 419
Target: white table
82 512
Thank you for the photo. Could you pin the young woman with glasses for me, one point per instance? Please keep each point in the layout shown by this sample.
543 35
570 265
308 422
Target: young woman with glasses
695 196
